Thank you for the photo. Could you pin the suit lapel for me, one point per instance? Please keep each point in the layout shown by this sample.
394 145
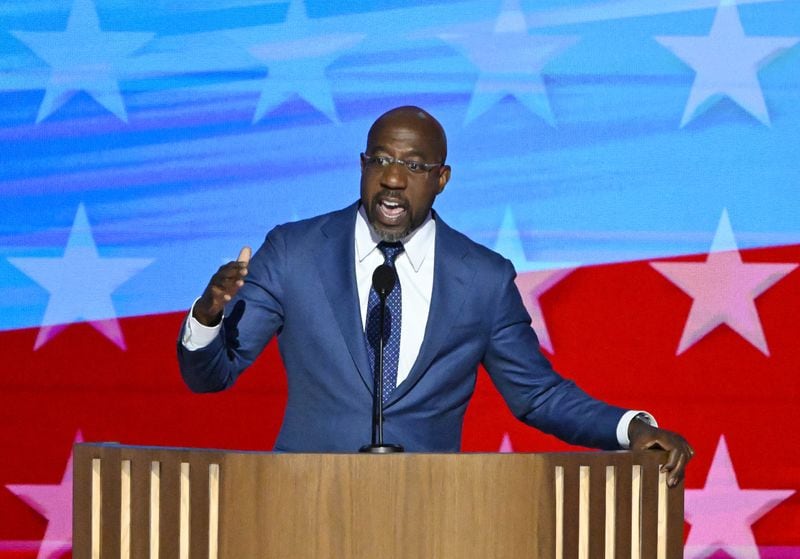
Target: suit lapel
452 277
336 267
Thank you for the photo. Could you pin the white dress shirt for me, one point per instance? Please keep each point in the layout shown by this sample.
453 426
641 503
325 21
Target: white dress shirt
415 271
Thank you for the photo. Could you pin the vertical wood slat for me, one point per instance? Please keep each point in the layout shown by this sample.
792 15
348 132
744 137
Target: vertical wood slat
125 510
663 497
609 536
96 524
184 510
154 507
559 502
213 510
583 512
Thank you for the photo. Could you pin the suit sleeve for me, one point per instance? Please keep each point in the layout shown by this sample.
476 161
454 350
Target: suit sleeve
535 393
252 318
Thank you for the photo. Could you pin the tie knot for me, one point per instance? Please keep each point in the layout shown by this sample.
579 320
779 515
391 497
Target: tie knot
390 251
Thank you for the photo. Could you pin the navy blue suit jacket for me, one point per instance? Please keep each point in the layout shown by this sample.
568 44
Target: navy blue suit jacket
301 286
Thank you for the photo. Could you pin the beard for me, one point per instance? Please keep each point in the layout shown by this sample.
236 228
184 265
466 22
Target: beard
389 236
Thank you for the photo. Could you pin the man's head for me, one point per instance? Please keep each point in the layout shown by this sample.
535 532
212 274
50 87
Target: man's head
396 198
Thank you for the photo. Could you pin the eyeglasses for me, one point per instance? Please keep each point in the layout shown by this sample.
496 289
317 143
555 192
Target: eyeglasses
383 161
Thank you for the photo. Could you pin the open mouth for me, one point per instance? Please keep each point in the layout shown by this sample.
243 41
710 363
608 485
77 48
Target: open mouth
390 210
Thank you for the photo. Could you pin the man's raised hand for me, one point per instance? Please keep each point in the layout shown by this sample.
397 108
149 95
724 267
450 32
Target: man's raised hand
223 286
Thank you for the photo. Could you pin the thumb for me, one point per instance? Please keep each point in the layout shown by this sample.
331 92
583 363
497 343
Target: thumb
244 255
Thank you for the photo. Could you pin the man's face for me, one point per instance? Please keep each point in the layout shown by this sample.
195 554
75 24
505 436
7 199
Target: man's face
397 200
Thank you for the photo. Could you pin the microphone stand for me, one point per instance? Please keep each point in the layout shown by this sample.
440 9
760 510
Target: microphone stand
383 286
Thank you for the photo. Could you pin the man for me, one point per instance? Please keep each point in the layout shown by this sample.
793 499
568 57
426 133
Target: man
309 283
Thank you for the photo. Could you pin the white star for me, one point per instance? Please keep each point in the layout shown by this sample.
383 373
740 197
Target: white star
724 289
722 514
296 59
727 64
80 284
510 62
83 58
533 278
54 502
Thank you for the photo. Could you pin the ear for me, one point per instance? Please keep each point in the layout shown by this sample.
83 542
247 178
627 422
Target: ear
444 178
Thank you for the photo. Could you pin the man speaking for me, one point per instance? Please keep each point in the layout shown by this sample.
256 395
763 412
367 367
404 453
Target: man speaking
455 307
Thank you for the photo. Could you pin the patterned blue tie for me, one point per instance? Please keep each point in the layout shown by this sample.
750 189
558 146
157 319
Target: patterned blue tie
393 314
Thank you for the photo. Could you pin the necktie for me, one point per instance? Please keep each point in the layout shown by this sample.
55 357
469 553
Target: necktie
393 314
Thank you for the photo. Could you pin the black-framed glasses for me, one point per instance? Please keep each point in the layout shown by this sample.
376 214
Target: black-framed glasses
383 161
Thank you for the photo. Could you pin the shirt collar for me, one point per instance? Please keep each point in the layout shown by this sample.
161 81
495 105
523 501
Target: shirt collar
416 244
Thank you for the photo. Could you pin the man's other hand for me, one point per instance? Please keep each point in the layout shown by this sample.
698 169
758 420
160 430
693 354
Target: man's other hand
644 436
221 289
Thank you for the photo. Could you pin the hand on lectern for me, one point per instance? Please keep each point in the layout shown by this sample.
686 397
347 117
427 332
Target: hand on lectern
644 436
223 286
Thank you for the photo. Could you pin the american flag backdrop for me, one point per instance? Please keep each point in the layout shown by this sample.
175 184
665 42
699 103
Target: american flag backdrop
637 160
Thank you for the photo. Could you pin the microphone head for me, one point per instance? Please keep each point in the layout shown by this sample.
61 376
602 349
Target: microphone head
383 279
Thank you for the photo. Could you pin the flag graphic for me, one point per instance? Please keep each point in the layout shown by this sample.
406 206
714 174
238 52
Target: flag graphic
636 161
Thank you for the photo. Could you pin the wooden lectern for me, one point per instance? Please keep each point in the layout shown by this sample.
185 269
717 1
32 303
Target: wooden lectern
184 503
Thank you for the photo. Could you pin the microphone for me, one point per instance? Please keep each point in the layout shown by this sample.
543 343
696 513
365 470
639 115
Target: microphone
384 278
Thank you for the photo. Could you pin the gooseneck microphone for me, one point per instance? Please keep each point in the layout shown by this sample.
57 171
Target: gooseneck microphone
384 279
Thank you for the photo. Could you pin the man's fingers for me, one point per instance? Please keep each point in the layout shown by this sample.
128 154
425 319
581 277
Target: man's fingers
672 460
222 287
679 456
226 283
677 470
244 255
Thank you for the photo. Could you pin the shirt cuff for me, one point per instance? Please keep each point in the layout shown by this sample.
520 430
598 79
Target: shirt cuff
625 422
196 335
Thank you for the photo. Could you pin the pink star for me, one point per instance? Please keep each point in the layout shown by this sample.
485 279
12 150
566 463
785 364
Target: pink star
721 514
724 289
54 502
505 444
531 286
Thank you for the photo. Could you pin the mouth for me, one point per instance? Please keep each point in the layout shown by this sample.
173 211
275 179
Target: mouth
390 211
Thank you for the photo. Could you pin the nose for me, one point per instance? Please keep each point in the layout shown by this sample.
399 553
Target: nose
394 176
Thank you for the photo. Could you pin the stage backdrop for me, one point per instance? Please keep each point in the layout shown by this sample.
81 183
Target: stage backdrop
637 160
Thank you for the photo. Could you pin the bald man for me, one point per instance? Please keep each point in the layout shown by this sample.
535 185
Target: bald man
456 307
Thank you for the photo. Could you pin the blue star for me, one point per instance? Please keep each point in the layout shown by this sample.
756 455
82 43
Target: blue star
510 62
80 284
83 58
727 64
296 57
